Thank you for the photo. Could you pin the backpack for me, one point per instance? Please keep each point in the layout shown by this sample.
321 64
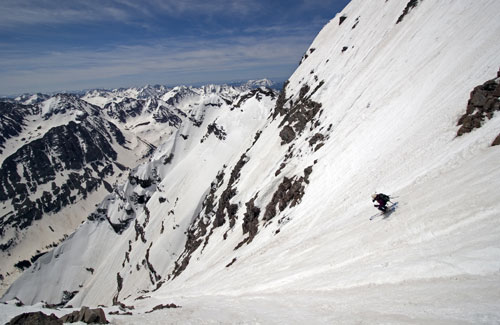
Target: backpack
384 197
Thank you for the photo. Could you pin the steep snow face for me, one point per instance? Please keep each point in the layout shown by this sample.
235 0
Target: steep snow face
373 106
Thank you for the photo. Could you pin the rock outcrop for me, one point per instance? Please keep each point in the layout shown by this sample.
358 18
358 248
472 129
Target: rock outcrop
483 103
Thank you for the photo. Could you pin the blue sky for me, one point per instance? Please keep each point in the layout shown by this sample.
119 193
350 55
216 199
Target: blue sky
49 45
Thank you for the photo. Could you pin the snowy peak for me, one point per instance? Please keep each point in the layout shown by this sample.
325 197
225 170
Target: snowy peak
61 104
23 123
30 99
259 83
252 84
151 91
101 97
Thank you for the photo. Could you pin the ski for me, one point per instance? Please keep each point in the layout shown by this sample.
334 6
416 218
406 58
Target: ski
390 209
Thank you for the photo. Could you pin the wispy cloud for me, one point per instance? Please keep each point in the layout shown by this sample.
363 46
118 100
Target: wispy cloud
47 45
208 7
166 60
287 29
32 12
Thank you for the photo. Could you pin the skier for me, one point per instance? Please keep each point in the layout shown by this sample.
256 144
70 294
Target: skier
382 200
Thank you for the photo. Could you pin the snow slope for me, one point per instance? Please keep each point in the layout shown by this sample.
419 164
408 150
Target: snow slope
282 234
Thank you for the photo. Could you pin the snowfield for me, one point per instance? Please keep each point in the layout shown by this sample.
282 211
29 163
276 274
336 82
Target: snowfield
379 114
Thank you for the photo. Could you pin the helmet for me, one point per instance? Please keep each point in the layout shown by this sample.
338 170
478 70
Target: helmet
374 195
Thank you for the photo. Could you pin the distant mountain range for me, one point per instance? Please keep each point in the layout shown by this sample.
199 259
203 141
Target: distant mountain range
31 98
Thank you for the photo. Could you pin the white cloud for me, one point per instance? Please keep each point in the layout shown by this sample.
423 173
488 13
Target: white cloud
31 67
32 12
208 7
171 59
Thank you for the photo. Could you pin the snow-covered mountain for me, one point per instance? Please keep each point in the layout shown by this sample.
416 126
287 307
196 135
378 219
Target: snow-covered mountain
60 156
28 99
272 225
251 84
100 97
